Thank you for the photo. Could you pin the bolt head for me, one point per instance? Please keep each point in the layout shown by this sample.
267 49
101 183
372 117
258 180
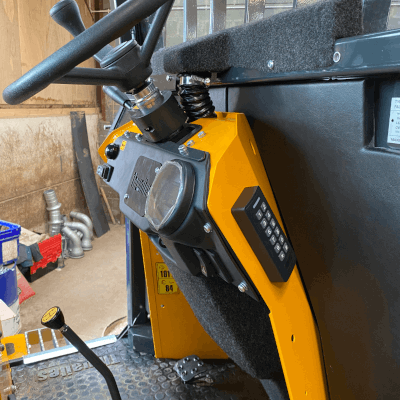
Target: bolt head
200 363
184 373
127 134
139 137
126 197
271 64
156 170
336 57
183 150
201 134
207 228
190 143
207 81
169 78
243 287
194 370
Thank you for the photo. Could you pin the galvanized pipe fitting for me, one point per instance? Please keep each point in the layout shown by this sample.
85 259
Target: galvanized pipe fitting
74 243
79 226
53 207
83 218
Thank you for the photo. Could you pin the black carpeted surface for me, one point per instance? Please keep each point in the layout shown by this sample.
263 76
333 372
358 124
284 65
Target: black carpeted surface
296 40
238 324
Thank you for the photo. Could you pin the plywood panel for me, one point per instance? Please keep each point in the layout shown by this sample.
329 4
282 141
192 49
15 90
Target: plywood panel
39 37
10 60
38 152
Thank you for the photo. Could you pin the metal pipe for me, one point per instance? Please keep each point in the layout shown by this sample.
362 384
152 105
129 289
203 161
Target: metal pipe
74 243
53 207
83 218
86 243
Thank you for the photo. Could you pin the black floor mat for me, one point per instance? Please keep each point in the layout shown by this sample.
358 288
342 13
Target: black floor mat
139 376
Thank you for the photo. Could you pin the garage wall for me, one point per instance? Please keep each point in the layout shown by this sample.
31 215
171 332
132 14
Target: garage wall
36 151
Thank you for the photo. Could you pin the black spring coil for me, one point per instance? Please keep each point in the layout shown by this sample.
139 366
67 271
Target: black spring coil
196 102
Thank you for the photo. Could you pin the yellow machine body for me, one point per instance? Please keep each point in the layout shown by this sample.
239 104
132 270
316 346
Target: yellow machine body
235 165
176 331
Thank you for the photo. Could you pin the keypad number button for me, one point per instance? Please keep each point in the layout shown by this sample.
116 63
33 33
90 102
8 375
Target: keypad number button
272 240
277 248
282 256
259 215
286 247
268 232
263 207
273 223
268 215
264 223
277 231
281 240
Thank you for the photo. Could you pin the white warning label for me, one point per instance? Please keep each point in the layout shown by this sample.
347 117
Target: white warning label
394 122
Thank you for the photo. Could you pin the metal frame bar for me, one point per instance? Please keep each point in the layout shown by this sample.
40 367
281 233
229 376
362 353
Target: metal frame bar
254 10
217 15
189 20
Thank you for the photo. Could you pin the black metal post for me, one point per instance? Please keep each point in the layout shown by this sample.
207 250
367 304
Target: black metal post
136 283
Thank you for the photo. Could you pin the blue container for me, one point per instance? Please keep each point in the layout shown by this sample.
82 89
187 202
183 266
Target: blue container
8 285
9 241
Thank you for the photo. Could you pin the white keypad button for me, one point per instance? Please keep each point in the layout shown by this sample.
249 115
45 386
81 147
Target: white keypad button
281 240
272 240
282 256
268 231
264 223
277 231
263 207
259 215
286 247
273 223
268 215
277 248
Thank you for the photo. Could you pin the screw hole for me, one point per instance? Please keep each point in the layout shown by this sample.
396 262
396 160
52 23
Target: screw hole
292 338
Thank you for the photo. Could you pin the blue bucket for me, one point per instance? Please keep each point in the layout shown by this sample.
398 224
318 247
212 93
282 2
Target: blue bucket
8 285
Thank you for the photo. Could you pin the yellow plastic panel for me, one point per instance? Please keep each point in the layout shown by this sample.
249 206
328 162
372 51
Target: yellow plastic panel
176 331
114 135
235 165
16 345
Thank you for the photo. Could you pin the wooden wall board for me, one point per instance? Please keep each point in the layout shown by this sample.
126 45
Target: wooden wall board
29 210
40 111
36 153
31 36
10 60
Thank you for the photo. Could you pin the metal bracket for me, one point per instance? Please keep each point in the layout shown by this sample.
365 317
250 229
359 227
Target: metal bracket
191 367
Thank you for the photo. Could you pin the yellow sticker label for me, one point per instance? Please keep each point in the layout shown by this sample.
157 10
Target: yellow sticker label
49 314
123 144
165 282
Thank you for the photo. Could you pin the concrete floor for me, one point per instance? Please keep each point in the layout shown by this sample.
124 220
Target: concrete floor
90 291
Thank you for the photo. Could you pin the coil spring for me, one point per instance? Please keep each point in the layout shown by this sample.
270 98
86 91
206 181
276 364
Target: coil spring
196 101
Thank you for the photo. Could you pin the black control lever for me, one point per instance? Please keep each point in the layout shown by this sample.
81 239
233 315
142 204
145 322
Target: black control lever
54 319
66 13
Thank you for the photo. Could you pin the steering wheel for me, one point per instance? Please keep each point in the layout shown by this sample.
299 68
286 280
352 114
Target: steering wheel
60 67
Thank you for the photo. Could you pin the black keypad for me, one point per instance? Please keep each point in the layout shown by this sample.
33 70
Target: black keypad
261 229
